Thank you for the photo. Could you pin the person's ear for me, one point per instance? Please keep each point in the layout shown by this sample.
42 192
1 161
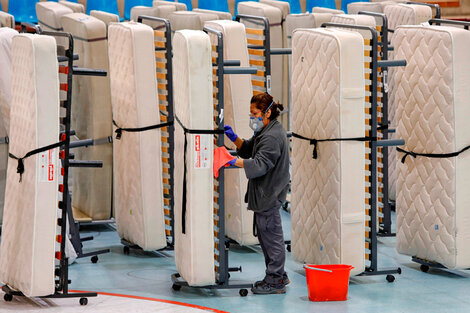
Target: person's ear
268 114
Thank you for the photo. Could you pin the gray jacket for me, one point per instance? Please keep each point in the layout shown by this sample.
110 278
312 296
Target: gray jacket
266 166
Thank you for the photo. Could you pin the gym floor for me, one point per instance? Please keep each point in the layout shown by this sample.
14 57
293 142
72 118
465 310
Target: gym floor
148 275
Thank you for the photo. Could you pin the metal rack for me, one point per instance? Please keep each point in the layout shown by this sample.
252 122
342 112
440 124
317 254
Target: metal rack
221 67
372 104
67 160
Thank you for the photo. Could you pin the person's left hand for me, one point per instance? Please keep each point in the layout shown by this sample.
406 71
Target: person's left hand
232 162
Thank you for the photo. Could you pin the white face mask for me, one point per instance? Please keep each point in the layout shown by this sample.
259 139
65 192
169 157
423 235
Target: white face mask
256 123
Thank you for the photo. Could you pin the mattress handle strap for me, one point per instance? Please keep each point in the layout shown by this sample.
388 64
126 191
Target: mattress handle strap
431 155
315 142
190 131
119 130
20 166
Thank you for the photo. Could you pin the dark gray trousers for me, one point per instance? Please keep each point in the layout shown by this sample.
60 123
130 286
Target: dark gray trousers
271 239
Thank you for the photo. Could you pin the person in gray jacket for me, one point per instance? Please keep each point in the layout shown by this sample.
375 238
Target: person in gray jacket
265 159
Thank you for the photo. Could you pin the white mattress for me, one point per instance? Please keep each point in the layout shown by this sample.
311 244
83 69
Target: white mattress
399 14
282 60
49 14
237 96
326 10
105 17
162 11
192 68
274 16
138 190
180 20
433 216
91 116
76 7
407 14
220 15
7 20
29 226
6 36
356 19
178 6
328 199
356 7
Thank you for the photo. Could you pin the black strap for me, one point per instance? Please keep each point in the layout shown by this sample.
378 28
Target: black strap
190 131
20 167
119 130
315 142
431 155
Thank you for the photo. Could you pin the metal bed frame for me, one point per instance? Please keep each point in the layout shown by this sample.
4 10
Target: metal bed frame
67 160
222 244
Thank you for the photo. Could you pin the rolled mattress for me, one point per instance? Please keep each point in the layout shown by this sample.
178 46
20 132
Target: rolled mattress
28 245
431 98
138 190
194 246
328 199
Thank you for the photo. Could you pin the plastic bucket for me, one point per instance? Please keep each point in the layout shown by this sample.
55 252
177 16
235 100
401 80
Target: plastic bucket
328 282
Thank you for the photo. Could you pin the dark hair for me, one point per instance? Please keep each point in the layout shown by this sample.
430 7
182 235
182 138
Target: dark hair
262 102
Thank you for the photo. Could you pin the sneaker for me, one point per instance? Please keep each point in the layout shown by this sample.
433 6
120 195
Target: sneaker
267 289
285 280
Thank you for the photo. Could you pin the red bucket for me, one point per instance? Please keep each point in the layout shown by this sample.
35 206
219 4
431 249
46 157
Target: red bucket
328 282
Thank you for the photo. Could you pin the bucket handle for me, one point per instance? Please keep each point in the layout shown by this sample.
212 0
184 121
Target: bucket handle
317 269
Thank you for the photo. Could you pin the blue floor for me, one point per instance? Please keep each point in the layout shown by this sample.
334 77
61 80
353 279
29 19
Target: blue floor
148 275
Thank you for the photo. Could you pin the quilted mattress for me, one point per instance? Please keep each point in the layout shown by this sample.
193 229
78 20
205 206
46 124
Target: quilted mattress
433 216
399 14
274 16
91 116
105 17
328 201
190 20
7 20
192 68
237 95
178 5
6 36
137 174
220 15
162 11
49 14
27 250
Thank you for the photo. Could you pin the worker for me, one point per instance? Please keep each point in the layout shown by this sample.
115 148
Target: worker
265 160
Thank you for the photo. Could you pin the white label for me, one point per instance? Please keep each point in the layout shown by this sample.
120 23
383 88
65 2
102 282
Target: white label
268 84
201 151
47 167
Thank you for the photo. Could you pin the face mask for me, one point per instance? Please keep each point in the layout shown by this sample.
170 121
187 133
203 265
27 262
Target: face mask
256 123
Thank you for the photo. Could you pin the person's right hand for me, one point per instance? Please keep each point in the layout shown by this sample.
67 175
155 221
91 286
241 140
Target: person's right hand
230 134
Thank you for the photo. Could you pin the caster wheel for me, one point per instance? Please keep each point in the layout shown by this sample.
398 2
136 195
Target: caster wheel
83 301
399 271
7 297
288 248
424 268
390 278
176 287
243 292
94 259
126 250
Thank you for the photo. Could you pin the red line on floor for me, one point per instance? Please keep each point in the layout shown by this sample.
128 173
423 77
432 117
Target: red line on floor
156 300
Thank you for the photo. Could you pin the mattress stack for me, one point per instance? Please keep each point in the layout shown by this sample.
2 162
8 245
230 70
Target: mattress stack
237 95
328 199
194 246
138 190
28 244
431 101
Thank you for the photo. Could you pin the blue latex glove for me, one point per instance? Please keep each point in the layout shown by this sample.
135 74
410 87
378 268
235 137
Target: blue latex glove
230 134
232 162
